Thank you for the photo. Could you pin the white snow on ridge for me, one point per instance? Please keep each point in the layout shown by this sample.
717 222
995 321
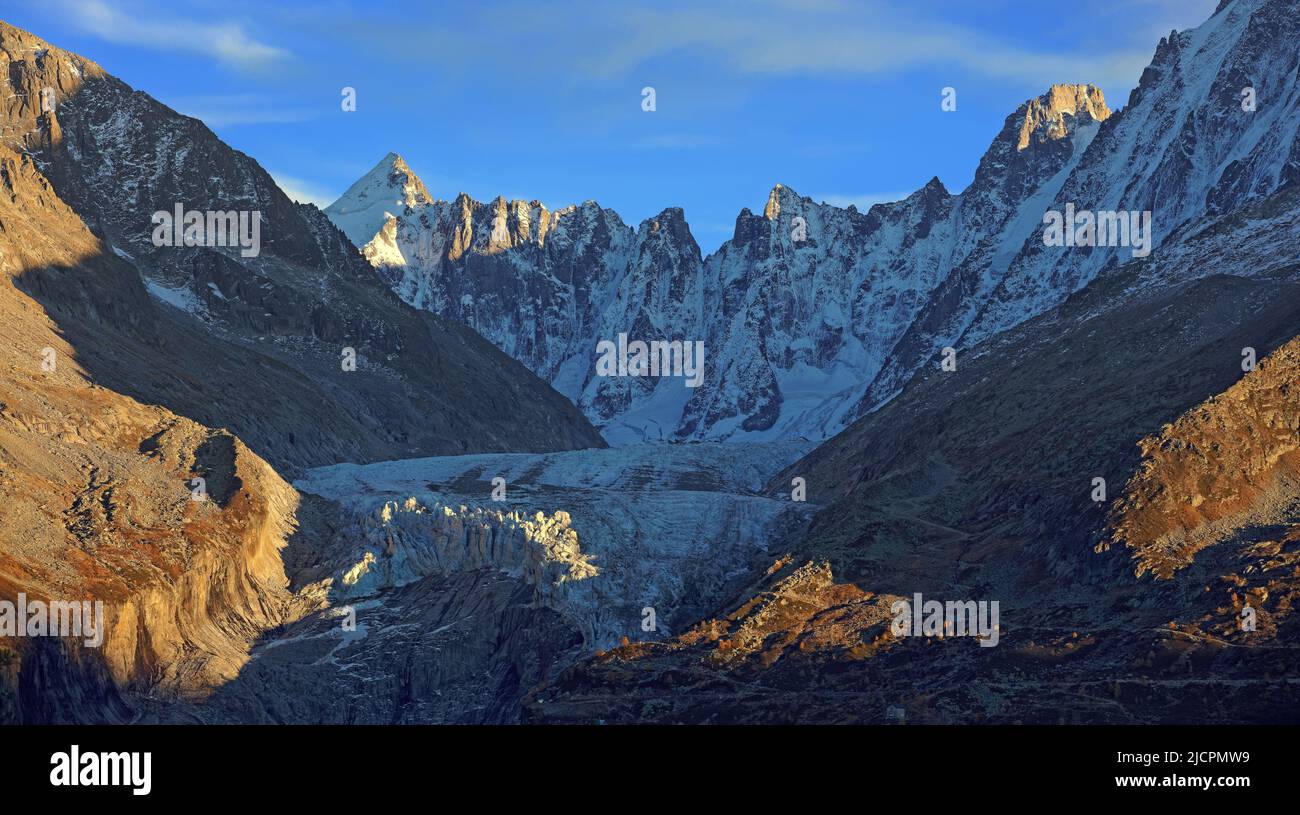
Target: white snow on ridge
181 298
386 190
805 334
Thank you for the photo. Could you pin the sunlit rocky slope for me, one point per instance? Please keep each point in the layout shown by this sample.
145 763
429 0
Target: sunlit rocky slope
113 399
1103 461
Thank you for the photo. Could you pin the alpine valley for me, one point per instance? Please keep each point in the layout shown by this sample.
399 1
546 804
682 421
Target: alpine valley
474 525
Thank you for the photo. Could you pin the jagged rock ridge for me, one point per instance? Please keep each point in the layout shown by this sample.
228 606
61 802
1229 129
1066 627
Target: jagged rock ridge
822 293
256 341
805 335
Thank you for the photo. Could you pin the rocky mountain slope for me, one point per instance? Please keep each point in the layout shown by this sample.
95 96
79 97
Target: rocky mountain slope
814 315
253 344
129 370
1125 606
96 500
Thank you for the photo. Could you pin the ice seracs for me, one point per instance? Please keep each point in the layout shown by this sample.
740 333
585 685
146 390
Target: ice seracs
597 535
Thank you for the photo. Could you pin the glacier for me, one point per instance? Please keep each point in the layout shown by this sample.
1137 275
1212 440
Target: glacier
600 535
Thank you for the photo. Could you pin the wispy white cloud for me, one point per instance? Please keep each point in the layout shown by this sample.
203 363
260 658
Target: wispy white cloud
764 38
227 42
304 191
845 39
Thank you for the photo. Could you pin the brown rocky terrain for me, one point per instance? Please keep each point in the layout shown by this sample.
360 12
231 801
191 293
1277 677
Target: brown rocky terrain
112 400
96 504
978 485
1199 483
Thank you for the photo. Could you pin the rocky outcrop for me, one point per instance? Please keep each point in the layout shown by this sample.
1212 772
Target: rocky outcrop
125 366
1226 465
98 503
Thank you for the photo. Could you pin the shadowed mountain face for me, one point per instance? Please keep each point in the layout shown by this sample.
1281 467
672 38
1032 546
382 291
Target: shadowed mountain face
979 484
254 344
96 493
135 379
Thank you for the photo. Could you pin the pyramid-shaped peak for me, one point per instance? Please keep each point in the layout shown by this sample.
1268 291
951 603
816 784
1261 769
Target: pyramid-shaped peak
393 164
387 188
933 187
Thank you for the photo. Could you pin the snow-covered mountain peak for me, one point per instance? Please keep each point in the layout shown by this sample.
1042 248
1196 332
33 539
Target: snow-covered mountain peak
670 224
782 198
773 209
933 193
389 188
812 314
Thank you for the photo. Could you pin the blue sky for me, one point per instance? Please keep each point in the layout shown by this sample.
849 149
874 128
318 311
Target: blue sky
838 99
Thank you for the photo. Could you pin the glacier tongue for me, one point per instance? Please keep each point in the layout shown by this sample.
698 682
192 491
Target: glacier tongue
600 535
428 602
